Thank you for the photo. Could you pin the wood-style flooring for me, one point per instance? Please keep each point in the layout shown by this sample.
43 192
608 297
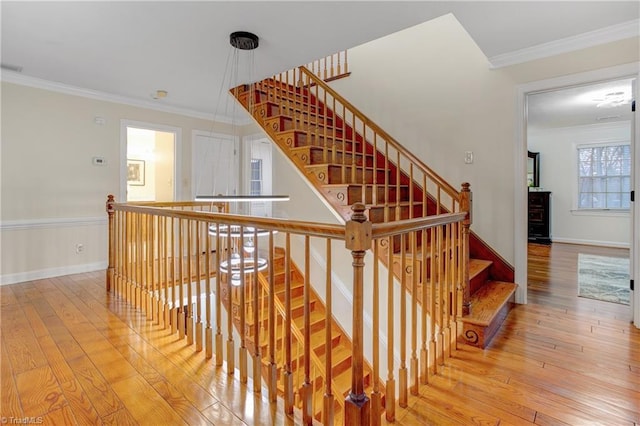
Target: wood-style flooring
73 354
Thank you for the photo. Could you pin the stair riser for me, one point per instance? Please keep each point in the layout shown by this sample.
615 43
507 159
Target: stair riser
281 123
354 195
376 213
476 282
335 175
317 156
295 139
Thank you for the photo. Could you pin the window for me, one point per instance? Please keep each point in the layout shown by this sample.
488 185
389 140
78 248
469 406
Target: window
604 176
256 177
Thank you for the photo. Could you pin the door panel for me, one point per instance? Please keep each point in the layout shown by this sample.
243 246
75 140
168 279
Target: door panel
214 165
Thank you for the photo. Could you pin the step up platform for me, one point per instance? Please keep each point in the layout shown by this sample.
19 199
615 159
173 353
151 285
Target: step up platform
489 307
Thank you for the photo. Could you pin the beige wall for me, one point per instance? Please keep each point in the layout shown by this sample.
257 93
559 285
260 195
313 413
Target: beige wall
52 196
431 88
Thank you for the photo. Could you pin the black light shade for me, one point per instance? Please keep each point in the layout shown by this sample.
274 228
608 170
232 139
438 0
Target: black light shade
244 40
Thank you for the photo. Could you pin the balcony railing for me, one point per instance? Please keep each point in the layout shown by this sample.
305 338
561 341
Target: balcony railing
190 267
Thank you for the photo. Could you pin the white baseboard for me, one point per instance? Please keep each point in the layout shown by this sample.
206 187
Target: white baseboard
614 244
21 277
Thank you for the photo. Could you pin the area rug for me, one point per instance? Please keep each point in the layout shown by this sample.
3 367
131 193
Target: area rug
603 278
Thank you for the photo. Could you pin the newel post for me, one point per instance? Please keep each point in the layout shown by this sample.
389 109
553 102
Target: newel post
358 240
112 244
466 205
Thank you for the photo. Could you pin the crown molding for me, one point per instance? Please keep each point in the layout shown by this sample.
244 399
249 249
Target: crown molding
581 41
38 83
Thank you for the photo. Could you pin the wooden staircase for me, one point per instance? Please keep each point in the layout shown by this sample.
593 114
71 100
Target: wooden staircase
347 165
341 349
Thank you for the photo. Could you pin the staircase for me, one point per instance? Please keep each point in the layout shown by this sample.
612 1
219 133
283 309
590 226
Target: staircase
348 159
341 350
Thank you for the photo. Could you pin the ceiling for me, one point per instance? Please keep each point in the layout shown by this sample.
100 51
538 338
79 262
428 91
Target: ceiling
132 49
603 102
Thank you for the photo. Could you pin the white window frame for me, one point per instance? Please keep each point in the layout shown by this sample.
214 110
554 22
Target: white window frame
576 186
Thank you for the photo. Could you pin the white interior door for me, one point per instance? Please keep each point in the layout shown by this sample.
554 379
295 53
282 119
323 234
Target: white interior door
214 164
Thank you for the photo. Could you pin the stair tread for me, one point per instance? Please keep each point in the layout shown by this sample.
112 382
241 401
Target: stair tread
488 300
476 266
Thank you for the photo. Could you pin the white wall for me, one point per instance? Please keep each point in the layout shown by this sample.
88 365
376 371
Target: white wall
558 171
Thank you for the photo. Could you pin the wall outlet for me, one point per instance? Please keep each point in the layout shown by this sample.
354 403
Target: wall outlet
79 248
468 157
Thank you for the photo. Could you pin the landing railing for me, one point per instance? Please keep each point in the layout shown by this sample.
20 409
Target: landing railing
331 67
177 262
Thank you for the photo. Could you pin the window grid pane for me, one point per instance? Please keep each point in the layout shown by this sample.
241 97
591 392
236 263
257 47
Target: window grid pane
256 177
604 177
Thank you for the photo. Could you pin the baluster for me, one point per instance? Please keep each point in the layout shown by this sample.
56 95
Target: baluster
387 213
465 206
287 376
402 372
218 338
433 282
398 180
456 283
273 366
175 276
160 270
139 262
150 278
198 258
390 394
208 331
112 243
414 314
441 285
446 292
307 414
257 357
354 149
344 145
376 397
231 356
374 188
242 310
189 283
424 354
327 411
131 292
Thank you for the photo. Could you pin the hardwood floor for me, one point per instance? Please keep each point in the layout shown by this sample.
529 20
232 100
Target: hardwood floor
73 354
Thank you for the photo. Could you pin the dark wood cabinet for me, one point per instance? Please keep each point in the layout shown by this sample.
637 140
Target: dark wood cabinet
540 217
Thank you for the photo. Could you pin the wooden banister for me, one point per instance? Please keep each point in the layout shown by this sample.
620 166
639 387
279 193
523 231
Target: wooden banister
381 132
163 261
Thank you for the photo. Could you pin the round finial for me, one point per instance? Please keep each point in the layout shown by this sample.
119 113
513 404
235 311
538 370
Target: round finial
358 212
244 40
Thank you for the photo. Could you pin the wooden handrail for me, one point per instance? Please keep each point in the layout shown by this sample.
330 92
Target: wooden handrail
161 260
380 230
370 123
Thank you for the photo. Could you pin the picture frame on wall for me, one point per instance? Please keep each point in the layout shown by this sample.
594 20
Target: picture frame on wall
135 172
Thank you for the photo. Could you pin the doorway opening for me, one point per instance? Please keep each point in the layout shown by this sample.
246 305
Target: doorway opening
149 162
582 130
